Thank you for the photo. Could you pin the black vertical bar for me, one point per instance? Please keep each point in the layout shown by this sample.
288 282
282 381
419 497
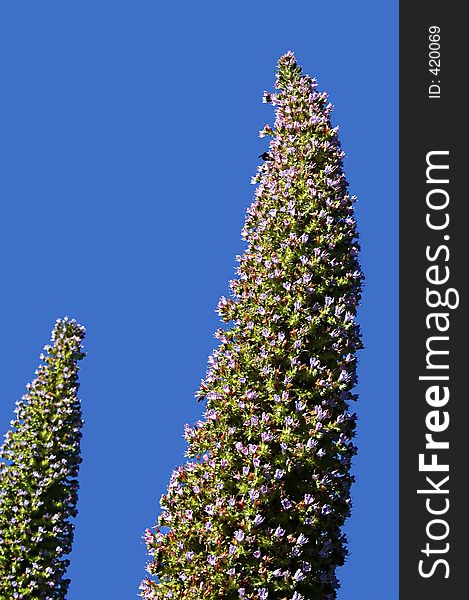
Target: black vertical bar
434 266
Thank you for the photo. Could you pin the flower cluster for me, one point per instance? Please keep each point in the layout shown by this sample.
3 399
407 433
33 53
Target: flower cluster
39 462
256 513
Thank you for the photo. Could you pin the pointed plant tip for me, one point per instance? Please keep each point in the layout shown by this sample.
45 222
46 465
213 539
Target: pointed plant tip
288 70
62 323
287 58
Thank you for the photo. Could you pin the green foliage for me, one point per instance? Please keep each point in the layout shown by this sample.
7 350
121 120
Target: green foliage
257 512
39 463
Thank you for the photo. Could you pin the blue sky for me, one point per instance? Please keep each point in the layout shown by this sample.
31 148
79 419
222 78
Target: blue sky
129 135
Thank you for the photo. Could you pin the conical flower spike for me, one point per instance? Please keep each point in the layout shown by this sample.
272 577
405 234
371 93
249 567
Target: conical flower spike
39 463
258 510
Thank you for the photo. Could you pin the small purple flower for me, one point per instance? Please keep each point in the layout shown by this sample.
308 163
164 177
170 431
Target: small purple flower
239 535
299 575
277 573
286 503
211 560
263 593
302 539
258 519
344 376
211 415
279 532
314 362
253 495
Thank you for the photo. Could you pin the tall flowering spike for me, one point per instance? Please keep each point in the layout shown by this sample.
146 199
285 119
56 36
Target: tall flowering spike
39 464
257 512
